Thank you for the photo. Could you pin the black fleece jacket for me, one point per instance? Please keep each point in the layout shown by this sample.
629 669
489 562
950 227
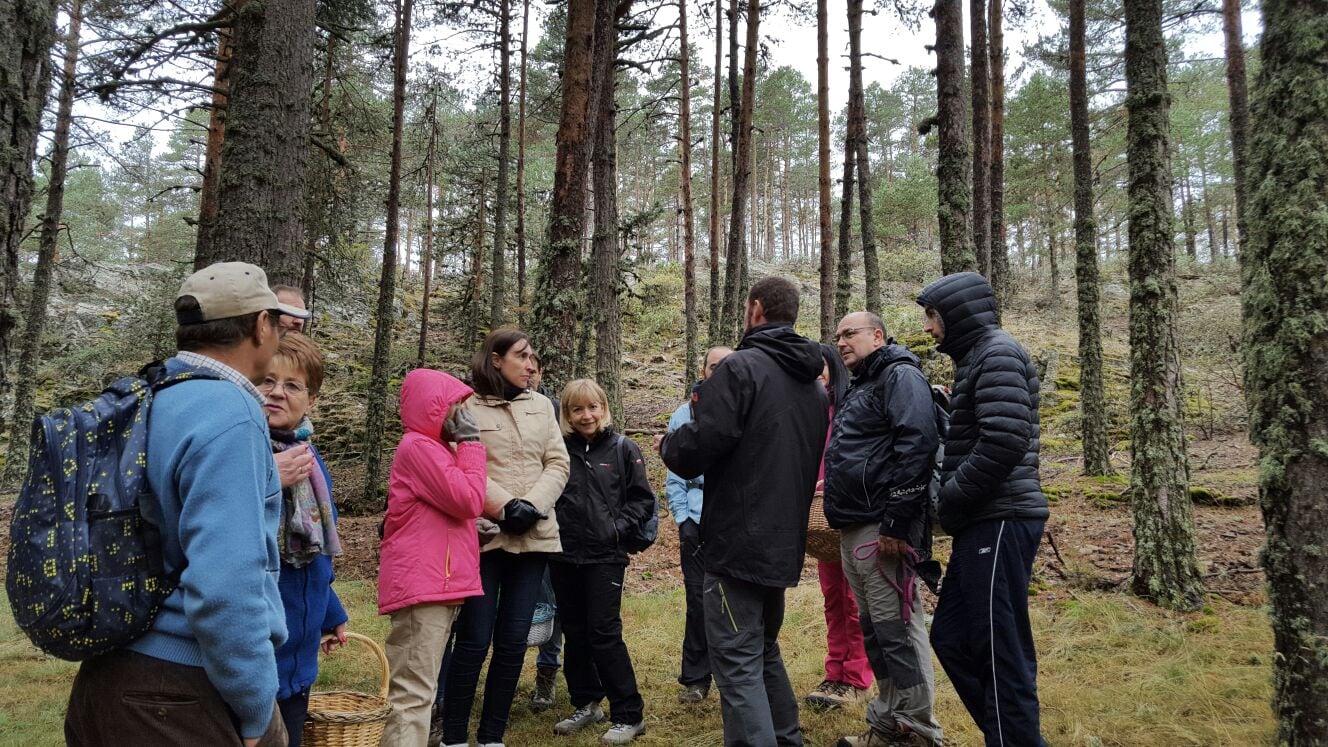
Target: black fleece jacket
757 433
882 448
991 450
607 494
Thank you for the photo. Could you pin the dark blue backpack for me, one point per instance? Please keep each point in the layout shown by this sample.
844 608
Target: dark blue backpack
85 570
643 535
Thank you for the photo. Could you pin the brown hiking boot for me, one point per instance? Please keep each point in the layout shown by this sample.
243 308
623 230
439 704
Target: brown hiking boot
831 694
693 694
546 684
874 738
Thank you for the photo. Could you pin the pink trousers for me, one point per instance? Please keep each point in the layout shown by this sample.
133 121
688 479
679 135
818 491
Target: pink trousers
845 657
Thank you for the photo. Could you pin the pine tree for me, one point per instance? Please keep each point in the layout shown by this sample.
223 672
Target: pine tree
1165 569
952 177
1285 301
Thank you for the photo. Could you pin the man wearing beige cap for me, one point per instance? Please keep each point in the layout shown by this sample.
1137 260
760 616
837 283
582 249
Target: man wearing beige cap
205 672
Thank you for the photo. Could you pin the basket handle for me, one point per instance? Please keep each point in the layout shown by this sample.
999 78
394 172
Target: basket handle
378 651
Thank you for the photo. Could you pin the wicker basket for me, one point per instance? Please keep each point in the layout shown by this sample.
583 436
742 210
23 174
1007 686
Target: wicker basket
349 719
822 541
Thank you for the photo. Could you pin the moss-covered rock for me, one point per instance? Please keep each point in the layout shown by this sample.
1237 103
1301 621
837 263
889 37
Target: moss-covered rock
1105 499
1202 496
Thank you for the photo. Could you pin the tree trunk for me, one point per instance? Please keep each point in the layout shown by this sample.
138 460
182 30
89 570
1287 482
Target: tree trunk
1239 113
1000 261
734 249
844 277
1092 397
521 301
713 334
980 83
498 307
736 277
373 498
208 202
1054 296
823 172
1165 569
16 461
426 258
685 187
1207 205
871 273
27 31
952 171
606 277
1286 351
554 311
261 185
1187 219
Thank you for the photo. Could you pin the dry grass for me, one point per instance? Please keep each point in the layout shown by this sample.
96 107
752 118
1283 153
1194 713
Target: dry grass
1113 671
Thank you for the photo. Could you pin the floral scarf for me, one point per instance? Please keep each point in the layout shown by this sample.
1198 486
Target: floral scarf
308 526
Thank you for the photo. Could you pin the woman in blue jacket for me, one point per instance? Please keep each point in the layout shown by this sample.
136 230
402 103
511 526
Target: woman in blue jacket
307 537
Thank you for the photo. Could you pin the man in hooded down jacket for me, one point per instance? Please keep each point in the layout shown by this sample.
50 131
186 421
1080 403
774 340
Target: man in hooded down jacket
991 502
757 433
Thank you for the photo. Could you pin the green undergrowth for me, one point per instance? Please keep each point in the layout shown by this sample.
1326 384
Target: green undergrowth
1112 671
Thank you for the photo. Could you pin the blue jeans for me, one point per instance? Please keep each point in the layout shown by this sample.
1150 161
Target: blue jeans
550 654
502 617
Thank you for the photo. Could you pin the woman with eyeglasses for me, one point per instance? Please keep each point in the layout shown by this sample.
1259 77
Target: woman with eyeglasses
307 537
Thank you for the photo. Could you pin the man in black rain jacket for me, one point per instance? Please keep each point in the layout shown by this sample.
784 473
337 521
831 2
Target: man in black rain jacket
877 471
757 434
991 501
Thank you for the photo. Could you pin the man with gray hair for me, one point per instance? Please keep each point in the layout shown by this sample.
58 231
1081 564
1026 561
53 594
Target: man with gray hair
877 470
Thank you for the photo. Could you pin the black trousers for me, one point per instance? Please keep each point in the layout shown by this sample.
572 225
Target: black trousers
981 631
695 655
595 658
124 697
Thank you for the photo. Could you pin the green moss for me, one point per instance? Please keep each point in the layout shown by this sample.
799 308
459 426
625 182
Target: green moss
1104 499
1213 497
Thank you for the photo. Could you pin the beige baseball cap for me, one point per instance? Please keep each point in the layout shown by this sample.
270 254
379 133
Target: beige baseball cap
230 289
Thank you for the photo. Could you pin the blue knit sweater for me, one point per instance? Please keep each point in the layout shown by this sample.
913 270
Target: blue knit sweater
218 504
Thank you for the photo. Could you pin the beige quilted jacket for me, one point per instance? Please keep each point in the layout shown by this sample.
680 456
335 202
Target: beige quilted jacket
526 459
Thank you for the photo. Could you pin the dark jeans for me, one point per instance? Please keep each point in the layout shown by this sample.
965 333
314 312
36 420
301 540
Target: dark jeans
695 658
981 632
501 617
596 662
125 697
293 712
550 654
742 628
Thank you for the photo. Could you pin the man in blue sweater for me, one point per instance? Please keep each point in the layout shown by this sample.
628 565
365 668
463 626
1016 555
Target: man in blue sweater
685 500
205 673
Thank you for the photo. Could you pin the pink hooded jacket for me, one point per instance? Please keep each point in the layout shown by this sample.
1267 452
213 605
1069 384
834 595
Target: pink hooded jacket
430 551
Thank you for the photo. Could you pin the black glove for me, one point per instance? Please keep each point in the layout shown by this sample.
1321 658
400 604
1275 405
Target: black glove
519 515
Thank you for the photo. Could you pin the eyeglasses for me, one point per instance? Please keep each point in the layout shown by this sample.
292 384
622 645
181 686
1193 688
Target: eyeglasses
848 333
291 387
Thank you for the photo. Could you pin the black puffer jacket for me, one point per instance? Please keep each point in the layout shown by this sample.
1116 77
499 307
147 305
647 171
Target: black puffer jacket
882 448
757 433
600 504
991 451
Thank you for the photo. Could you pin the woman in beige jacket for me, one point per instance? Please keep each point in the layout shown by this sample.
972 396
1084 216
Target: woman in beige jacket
527 467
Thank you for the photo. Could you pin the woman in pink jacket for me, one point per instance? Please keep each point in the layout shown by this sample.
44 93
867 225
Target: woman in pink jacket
429 557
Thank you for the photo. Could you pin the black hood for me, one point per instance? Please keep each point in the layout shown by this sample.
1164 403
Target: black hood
799 357
877 360
967 307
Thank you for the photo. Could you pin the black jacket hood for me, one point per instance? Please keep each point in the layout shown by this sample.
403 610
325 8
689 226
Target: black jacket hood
967 307
878 359
799 357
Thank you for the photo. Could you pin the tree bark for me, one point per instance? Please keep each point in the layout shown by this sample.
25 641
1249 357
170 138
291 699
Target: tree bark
426 258
871 272
1092 396
713 334
1000 260
554 310
16 462
736 273
980 85
844 277
685 187
27 31
1239 113
521 301
1165 569
952 171
208 201
606 277
1286 351
823 172
498 307
373 498
261 185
